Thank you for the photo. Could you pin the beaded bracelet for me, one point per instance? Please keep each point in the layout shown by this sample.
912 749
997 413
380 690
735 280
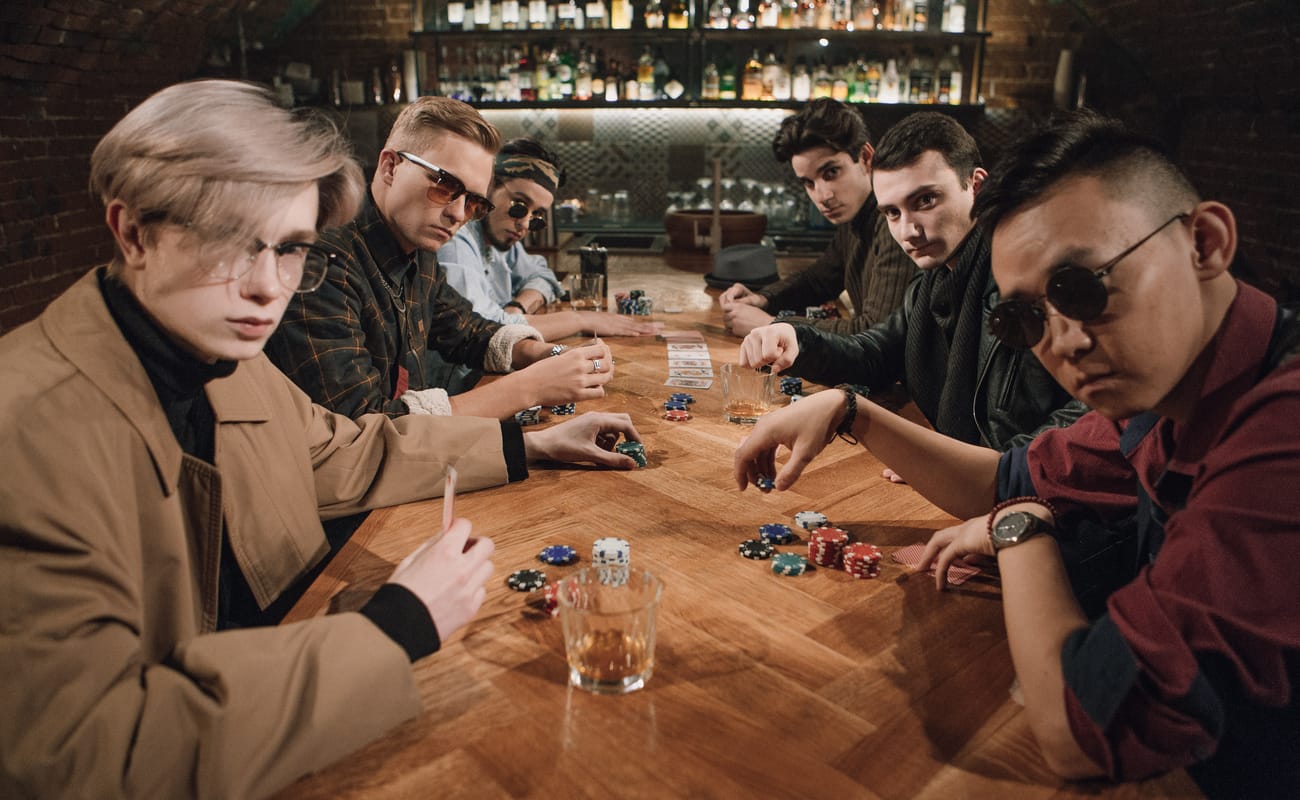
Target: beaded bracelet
1005 504
845 429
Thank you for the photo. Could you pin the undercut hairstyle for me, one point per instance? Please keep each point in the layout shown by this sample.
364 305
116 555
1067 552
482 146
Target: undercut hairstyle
221 157
522 151
822 123
919 133
1083 143
426 119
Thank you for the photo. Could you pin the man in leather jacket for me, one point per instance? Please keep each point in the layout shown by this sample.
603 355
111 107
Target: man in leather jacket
925 175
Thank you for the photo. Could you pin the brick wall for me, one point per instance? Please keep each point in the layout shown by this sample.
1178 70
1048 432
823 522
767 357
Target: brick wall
1217 81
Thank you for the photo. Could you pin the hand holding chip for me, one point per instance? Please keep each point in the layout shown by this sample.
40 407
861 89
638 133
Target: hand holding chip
588 438
448 575
775 344
803 428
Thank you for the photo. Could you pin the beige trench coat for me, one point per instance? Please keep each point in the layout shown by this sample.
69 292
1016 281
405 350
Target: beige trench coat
114 681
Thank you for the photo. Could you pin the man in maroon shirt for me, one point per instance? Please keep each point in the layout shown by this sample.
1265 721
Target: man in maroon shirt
1115 273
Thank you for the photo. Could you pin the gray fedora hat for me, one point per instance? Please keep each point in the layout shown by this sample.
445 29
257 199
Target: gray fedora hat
752 265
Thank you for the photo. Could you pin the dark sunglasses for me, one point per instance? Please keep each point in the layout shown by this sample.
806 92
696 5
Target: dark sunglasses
519 209
1075 292
446 188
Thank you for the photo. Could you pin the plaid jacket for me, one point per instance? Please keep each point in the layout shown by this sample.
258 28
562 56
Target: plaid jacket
378 309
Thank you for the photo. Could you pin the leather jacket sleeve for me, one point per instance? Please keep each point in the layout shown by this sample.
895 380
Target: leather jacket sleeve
873 357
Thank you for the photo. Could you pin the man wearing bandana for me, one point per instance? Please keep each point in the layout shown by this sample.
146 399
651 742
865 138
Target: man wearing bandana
486 261
360 343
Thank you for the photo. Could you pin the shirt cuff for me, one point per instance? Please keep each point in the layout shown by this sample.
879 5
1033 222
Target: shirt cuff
401 615
512 447
433 402
500 352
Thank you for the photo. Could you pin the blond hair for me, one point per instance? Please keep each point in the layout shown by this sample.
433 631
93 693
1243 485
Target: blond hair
220 156
423 121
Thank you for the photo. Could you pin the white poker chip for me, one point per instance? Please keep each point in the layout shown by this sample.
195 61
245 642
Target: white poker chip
612 551
811 520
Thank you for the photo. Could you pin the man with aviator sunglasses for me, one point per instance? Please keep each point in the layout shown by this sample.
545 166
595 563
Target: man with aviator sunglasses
361 343
1116 273
487 263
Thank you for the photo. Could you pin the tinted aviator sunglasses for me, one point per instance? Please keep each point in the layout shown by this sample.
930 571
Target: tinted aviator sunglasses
446 188
1075 292
519 209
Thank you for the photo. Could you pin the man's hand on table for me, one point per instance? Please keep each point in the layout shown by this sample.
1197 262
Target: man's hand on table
589 438
740 318
448 577
579 373
775 345
805 428
739 294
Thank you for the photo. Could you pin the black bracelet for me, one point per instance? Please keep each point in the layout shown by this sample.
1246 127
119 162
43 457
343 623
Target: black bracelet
519 306
845 429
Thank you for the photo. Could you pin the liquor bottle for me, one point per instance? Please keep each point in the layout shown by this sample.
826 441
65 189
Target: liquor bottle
751 81
620 14
858 86
710 86
801 83
824 19
455 15
662 73
920 15
582 77
840 83
376 88
631 87
565 12
781 88
510 15
654 15
679 15
537 15
613 82
822 81
954 16
743 19
524 75
719 15
769 13
542 77
596 14
889 83
598 76
864 15
770 74
645 76
727 82
920 79
950 73
562 74
873 82
805 14
482 15
786 19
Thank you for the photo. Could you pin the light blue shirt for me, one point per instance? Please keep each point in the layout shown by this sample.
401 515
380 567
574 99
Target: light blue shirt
490 278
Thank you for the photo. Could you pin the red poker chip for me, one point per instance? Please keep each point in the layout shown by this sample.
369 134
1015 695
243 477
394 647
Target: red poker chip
677 415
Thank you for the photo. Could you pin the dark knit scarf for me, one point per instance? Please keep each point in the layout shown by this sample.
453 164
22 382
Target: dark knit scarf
943 340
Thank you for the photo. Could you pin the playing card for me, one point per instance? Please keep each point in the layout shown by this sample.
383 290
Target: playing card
680 336
690 372
689 383
958 572
674 347
688 362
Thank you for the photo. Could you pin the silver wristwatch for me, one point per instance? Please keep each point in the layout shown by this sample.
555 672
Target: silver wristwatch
1015 528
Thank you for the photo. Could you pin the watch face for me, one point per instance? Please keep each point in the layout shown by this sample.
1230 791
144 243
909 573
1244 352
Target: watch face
1014 528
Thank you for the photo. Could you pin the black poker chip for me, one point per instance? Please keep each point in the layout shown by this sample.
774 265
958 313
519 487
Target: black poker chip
757 549
765 482
526 580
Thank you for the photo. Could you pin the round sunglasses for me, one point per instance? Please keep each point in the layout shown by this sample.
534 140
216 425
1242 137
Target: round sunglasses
446 188
1075 292
519 209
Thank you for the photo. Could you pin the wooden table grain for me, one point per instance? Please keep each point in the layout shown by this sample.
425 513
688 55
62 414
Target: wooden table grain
764 686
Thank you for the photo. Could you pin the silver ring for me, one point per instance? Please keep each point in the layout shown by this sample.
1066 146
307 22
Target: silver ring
595 365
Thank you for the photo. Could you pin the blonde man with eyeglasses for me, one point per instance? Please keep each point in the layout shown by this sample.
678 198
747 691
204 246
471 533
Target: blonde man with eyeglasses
360 343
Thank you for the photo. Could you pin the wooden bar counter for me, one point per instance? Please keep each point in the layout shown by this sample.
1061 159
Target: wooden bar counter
764 685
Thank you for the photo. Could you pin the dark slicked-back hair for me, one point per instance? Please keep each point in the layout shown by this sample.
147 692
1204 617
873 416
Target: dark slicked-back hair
916 134
822 123
1084 143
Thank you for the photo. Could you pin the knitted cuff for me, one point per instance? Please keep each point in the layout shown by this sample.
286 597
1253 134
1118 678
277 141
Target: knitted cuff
500 352
434 402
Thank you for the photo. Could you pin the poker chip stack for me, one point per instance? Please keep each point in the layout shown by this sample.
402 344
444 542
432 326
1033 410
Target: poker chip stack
526 580
635 450
811 520
551 598
564 410
529 416
611 551
826 546
789 564
776 533
814 312
634 302
791 385
862 560
685 398
677 415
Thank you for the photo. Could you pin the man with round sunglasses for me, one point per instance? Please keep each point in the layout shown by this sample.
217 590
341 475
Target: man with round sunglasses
1116 274
487 263
926 175
361 342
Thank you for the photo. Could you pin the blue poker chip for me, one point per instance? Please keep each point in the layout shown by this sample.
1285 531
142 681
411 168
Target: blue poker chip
673 405
765 482
558 555
682 397
776 533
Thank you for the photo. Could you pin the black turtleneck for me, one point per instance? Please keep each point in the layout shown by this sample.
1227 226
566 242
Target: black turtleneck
179 379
